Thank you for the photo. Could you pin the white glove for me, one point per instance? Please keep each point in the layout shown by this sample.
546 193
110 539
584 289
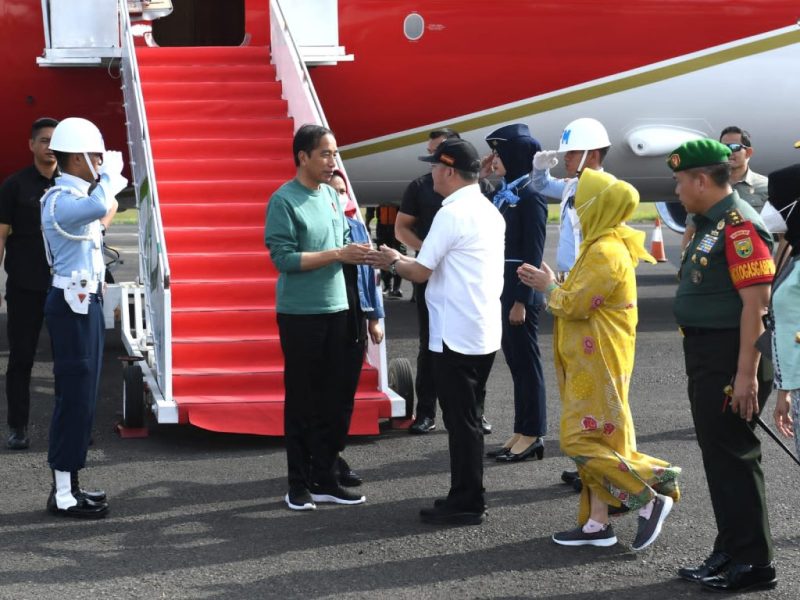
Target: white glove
545 159
112 163
111 173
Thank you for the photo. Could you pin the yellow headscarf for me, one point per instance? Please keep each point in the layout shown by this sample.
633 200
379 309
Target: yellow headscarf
603 204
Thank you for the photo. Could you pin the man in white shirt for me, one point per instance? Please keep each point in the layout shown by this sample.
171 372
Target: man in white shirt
462 260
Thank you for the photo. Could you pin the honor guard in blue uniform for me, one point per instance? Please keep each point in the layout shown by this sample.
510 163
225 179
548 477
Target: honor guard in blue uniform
74 214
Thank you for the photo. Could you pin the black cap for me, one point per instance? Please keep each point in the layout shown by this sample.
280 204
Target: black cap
456 153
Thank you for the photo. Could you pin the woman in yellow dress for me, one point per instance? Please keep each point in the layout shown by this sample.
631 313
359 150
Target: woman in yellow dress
594 343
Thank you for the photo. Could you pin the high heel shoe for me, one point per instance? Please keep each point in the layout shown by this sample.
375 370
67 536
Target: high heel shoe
536 448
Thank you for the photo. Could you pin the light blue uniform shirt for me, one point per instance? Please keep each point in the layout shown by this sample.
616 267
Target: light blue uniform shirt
569 233
77 213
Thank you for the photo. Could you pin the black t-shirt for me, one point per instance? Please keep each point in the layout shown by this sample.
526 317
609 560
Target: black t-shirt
421 202
25 260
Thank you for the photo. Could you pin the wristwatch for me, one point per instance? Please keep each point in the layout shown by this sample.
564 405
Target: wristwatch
393 266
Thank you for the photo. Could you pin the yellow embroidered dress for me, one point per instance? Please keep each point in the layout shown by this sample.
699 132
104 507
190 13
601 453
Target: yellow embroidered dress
594 340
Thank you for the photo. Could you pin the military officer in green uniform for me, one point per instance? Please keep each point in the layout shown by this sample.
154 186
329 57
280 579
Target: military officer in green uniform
724 287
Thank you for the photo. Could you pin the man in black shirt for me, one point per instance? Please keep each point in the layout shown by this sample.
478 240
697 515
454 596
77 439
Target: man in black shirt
28 273
417 210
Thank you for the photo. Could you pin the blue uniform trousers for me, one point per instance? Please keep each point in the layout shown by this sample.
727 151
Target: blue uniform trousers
77 343
521 349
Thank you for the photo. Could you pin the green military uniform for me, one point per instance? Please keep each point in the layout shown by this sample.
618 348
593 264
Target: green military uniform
731 249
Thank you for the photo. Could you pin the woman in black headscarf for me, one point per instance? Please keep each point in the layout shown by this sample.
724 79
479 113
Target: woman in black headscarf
781 214
525 213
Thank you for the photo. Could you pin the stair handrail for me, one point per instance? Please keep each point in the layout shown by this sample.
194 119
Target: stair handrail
154 271
305 107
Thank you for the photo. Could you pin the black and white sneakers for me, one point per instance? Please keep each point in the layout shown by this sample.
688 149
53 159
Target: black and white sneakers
578 537
335 494
649 529
299 499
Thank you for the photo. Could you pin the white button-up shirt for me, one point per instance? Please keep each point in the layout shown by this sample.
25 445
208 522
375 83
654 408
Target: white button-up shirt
464 249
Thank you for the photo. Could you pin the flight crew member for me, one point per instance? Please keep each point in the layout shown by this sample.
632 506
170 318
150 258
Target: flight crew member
525 215
751 186
74 213
418 208
462 261
308 240
585 143
28 274
725 277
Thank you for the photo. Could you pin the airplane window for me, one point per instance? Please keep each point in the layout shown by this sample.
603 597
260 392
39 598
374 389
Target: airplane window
414 26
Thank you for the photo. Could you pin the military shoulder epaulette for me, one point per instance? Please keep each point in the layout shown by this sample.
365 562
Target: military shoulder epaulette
734 217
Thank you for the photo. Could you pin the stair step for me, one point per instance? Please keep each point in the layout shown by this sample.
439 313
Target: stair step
190 296
239 148
253 385
203 55
221 190
216 267
230 91
230 73
220 214
253 168
227 239
242 356
215 109
223 324
236 128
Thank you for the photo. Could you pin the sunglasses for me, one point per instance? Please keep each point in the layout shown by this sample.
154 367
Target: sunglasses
736 147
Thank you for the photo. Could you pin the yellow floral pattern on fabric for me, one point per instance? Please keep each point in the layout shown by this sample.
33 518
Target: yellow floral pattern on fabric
594 340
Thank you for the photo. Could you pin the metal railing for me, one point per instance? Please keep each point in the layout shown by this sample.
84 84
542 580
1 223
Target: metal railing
154 273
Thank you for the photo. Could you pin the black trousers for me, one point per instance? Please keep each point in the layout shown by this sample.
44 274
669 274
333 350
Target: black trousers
25 318
521 349
77 343
730 448
318 405
384 234
424 385
460 381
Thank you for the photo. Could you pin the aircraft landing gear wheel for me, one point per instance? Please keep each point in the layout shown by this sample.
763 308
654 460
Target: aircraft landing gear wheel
401 380
133 408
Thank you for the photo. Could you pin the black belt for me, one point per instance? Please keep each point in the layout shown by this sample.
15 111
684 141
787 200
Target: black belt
693 331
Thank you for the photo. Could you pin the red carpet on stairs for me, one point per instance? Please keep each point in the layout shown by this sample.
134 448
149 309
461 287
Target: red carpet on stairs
221 144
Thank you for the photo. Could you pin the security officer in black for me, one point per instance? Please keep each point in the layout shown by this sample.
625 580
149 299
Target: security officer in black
725 277
28 274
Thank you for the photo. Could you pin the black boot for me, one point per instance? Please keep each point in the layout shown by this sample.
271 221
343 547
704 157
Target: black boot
71 505
93 495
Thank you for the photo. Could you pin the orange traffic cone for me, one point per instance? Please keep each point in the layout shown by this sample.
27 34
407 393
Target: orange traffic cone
657 244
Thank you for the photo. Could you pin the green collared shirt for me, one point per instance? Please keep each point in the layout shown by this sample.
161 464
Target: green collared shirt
706 296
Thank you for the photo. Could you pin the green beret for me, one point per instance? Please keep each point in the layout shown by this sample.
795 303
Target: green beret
698 153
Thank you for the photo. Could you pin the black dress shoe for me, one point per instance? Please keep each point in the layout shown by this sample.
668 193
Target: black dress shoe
423 425
347 477
486 426
536 448
572 478
710 566
737 578
440 502
444 515
498 452
84 509
18 439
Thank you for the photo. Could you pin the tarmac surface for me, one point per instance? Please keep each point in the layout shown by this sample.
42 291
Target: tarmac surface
196 514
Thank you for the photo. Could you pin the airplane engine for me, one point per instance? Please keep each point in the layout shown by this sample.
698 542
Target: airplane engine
673 215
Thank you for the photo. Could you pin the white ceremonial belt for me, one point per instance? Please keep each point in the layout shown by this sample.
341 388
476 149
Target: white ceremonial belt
61 282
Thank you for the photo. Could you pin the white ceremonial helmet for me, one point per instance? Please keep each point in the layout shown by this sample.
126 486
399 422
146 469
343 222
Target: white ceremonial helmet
77 135
584 134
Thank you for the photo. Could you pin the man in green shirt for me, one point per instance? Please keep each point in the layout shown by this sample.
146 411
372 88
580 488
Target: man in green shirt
308 239
725 277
